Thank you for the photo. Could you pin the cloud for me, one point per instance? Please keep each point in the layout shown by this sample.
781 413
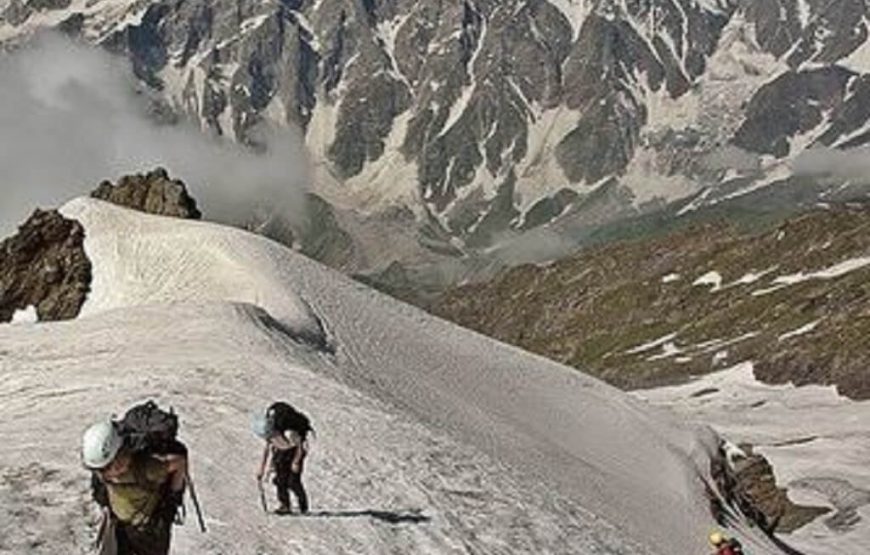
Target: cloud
842 164
72 116
535 246
731 157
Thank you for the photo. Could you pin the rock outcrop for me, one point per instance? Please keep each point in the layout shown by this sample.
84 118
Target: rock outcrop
747 484
44 266
153 192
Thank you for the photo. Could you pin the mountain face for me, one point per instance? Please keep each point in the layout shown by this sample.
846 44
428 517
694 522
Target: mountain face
488 117
793 299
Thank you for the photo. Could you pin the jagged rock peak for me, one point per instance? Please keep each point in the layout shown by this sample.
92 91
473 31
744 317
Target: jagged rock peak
154 192
44 267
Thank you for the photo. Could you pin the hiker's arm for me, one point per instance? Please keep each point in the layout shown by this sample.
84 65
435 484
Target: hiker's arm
177 467
297 457
263 463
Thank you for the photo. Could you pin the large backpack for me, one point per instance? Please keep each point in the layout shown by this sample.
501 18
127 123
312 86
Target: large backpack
146 430
283 417
731 547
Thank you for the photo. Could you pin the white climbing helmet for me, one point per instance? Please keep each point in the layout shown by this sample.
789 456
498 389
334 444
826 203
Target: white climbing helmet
717 538
100 444
261 427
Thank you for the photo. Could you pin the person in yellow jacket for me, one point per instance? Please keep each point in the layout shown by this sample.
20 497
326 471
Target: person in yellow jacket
142 492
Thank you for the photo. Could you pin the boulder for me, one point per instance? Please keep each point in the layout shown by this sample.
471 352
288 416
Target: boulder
153 192
44 266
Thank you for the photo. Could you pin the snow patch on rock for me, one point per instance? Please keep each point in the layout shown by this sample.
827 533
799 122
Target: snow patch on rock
25 316
807 328
712 278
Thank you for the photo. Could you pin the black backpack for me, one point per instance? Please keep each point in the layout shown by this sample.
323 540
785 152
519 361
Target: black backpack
146 430
283 417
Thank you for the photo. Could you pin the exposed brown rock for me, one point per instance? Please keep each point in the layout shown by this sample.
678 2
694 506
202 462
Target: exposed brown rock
748 484
44 265
153 192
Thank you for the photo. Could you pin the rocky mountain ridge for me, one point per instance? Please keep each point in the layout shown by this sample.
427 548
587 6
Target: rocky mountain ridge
153 192
487 118
44 266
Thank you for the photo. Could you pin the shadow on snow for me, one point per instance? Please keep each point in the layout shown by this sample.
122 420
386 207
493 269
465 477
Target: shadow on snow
391 517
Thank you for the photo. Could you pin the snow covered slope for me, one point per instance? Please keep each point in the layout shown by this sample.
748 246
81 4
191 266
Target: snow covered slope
144 266
821 459
431 439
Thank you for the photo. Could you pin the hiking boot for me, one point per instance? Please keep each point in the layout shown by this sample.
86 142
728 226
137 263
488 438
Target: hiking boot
283 510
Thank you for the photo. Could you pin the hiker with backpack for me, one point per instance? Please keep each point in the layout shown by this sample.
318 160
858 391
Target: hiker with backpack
285 430
139 474
725 546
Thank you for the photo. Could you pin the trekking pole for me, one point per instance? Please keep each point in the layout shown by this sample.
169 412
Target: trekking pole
96 546
262 496
195 502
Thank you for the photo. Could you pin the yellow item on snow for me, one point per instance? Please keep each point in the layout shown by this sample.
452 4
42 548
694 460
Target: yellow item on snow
716 538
